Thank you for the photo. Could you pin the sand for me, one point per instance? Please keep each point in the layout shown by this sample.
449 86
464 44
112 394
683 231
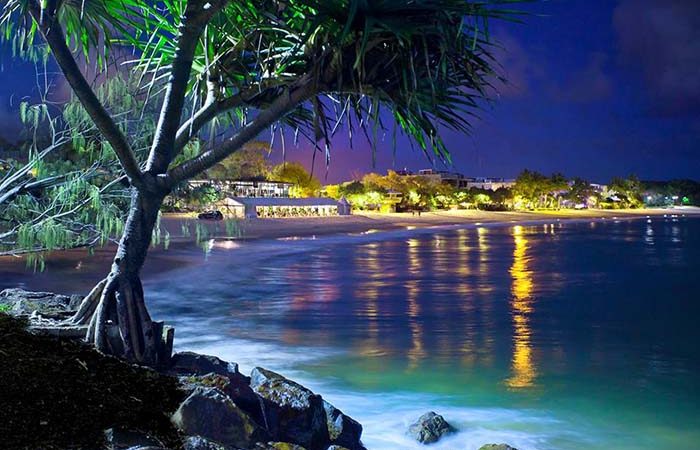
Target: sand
76 270
366 221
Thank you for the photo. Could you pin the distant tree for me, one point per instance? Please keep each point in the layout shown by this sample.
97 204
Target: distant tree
531 186
628 190
305 185
249 162
580 191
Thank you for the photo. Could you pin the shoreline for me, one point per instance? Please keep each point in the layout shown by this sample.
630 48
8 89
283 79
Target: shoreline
77 270
368 222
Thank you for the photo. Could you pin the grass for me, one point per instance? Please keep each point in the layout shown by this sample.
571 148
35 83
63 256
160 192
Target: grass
59 394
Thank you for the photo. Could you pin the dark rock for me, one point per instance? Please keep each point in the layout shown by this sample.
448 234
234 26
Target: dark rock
119 438
236 386
47 304
497 447
200 443
292 412
209 413
278 446
429 428
342 430
190 363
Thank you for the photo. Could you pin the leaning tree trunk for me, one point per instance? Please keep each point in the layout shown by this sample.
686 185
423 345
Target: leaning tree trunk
115 310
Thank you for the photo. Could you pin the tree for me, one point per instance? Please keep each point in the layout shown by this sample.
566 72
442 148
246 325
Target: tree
305 185
247 163
245 67
70 192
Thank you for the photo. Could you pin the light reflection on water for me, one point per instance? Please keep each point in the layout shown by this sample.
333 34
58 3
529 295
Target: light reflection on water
545 336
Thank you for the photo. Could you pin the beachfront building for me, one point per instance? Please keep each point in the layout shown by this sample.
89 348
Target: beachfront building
443 176
276 207
247 188
489 184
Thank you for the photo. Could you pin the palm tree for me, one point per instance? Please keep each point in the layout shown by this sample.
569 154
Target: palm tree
243 67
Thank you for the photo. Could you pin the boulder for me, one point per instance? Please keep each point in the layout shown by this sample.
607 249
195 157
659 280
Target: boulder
292 412
429 428
47 304
236 386
190 363
209 413
119 438
200 443
342 430
497 447
279 446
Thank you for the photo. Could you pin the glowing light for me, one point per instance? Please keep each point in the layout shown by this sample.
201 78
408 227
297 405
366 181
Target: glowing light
523 370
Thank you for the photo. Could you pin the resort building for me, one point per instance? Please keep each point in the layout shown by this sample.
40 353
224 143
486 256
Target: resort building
247 188
489 184
271 207
443 176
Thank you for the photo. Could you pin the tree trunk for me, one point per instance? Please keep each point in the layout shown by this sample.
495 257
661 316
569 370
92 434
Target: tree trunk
115 310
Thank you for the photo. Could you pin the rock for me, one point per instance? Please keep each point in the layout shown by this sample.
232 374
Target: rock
337 447
279 446
119 438
190 363
497 447
429 428
292 412
48 304
236 386
342 430
200 443
209 413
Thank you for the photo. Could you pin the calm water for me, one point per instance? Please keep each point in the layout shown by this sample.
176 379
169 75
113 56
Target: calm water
548 336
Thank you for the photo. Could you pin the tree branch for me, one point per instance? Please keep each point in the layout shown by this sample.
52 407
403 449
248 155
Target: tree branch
53 34
276 111
197 15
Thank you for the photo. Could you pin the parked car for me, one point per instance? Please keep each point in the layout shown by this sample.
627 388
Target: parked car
211 215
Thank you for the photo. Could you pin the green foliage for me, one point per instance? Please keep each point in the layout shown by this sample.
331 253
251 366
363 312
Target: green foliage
4 307
247 163
304 184
76 198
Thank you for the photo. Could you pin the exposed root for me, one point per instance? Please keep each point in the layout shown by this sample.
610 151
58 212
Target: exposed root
87 307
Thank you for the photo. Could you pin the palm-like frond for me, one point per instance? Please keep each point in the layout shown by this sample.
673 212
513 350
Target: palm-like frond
427 62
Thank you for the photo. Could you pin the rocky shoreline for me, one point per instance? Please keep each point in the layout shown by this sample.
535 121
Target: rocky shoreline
208 403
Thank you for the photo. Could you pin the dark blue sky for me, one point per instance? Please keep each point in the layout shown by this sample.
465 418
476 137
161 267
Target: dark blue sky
597 89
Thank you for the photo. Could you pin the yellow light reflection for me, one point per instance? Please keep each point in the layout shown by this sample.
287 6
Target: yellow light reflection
523 370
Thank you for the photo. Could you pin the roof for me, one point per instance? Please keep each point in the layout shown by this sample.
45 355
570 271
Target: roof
283 201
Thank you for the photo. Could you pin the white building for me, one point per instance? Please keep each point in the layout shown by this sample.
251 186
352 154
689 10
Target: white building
489 184
247 188
276 207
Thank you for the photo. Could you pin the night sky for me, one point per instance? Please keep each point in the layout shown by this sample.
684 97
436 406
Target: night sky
597 89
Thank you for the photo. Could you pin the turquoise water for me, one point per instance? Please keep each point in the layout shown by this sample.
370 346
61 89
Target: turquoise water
546 336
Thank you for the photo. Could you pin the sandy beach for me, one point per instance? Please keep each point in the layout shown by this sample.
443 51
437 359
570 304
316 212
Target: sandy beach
77 270
369 222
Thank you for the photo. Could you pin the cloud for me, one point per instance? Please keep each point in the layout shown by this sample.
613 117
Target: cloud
516 65
662 39
591 83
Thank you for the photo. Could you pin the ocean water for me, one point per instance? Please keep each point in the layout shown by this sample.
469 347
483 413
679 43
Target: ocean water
544 335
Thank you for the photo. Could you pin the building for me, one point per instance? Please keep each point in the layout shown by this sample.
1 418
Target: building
247 188
443 176
488 184
276 207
